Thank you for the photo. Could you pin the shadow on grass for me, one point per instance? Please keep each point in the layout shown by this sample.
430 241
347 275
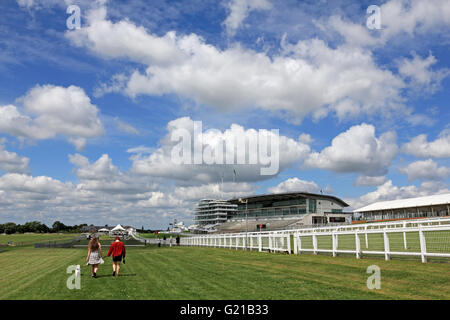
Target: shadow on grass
120 275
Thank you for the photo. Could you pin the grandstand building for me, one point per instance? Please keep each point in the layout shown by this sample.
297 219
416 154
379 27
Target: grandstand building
287 210
210 213
422 207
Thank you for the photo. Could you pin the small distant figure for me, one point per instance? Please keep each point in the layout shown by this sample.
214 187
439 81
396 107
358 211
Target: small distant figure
94 256
78 271
159 242
117 249
178 240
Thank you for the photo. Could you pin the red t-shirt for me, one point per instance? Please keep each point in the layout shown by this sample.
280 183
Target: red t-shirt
117 248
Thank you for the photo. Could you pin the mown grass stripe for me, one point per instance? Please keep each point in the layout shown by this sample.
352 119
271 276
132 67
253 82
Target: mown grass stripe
208 273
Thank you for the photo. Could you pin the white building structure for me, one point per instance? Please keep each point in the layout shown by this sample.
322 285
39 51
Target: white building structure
421 207
210 213
179 227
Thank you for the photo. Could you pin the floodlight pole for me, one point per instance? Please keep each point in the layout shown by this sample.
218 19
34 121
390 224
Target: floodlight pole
246 225
246 221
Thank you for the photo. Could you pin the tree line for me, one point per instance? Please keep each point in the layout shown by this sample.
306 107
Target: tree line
38 227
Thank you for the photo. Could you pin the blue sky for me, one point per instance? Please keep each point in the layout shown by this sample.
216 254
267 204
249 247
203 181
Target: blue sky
362 114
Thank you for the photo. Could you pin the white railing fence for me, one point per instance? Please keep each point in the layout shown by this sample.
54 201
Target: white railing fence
170 241
425 238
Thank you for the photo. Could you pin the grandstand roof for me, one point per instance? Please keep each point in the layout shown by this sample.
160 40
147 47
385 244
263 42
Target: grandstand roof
407 203
288 196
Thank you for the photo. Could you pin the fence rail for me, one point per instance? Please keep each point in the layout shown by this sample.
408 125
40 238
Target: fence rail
59 244
424 238
155 241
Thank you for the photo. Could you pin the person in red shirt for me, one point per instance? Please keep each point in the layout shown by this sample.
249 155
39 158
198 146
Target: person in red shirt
117 249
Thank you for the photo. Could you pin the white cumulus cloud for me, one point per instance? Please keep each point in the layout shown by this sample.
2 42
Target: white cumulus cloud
365 181
305 78
425 170
295 185
160 163
50 111
357 150
420 147
239 10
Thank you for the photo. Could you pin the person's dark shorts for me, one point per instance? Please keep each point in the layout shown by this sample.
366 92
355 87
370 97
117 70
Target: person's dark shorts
118 258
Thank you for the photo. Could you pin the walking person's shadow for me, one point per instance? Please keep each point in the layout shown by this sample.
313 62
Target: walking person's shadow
120 275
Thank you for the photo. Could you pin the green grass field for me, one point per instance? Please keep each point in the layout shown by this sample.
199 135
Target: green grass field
31 238
157 236
208 273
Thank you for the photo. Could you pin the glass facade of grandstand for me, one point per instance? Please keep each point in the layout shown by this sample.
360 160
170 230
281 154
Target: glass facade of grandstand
275 209
213 212
296 206
406 213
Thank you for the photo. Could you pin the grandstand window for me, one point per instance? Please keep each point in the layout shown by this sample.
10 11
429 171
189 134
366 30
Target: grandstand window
312 205
337 219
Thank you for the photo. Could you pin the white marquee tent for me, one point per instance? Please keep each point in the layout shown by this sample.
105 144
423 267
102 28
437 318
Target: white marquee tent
118 230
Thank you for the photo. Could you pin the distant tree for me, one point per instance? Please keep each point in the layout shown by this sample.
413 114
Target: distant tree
21 228
59 226
9 228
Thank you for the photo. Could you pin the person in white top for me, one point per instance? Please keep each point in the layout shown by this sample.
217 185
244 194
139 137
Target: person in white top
94 256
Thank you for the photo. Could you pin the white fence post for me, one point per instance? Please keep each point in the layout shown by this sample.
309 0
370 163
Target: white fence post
423 245
367 239
288 238
404 236
358 245
295 243
337 241
334 239
314 240
270 242
259 243
299 244
387 249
